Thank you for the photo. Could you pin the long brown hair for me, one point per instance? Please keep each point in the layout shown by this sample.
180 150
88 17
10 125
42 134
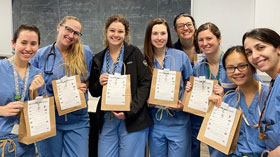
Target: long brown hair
148 47
75 62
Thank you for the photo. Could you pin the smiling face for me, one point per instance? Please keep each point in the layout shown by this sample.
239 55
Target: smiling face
242 72
184 28
159 36
262 55
208 43
26 45
66 33
115 34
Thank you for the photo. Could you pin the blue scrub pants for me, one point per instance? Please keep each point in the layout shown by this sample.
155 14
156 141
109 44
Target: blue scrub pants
115 141
22 150
196 122
167 137
66 143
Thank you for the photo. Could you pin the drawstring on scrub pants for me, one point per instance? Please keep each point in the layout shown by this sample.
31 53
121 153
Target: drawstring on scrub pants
159 113
3 145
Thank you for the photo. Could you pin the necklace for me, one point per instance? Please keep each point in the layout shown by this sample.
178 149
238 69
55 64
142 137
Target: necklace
19 97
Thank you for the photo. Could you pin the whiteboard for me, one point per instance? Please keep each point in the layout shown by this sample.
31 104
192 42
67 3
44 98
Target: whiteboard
6 27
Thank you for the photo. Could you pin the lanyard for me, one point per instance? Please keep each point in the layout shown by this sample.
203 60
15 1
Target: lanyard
259 110
262 134
115 64
19 97
218 74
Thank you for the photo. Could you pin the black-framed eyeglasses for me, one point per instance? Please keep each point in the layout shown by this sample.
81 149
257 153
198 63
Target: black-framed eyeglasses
70 30
240 67
182 25
49 71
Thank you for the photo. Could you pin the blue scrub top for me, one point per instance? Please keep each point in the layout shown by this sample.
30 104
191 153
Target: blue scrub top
8 92
272 116
204 71
182 64
249 143
76 119
180 120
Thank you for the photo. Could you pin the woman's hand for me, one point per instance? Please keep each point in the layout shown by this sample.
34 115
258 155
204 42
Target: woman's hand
11 109
83 87
37 82
103 79
188 86
215 99
179 107
119 115
218 90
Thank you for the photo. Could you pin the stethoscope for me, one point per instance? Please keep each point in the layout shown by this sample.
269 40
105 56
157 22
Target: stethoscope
51 52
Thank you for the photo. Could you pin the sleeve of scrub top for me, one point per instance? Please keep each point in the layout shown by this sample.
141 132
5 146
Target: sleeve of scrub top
187 70
143 89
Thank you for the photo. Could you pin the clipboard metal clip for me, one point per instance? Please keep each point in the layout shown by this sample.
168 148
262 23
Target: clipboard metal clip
38 100
202 79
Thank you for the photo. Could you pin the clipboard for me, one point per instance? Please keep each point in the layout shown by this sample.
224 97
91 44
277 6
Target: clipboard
166 103
186 100
24 135
71 109
117 107
233 137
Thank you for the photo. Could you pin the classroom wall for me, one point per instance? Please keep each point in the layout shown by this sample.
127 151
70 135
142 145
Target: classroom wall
235 17
6 27
46 14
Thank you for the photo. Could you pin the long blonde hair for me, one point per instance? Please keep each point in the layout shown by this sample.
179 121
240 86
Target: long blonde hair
75 62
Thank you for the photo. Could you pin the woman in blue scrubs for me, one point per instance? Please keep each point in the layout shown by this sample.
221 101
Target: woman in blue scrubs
249 97
209 39
72 129
18 81
262 47
121 134
185 28
171 134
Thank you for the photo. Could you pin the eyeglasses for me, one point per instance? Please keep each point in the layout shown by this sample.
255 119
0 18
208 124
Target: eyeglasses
240 67
182 25
70 30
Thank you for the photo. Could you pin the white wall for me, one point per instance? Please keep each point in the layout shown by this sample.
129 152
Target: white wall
233 17
267 14
6 28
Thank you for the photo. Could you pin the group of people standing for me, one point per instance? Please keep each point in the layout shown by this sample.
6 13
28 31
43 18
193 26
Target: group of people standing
169 131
